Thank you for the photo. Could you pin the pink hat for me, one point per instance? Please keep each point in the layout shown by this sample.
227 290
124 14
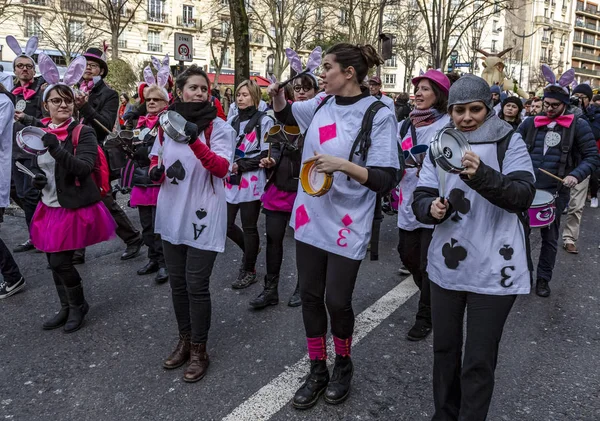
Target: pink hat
437 77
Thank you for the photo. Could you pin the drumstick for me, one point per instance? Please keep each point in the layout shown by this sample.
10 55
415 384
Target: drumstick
549 174
102 126
22 168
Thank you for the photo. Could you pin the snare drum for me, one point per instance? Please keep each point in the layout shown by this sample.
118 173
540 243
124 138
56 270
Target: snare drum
542 210
30 140
448 148
314 183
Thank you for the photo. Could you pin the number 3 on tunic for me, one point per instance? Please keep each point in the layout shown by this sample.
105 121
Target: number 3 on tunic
341 237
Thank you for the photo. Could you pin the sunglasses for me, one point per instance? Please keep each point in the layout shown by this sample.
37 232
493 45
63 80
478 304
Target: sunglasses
58 101
154 99
297 88
24 66
552 105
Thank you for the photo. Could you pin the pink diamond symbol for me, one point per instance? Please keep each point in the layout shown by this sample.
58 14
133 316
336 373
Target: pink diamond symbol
254 178
301 216
327 133
250 137
346 220
407 144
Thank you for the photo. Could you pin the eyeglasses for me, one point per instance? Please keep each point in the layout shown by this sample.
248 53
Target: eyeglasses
552 105
154 99
93 66
24 66
297 88
57 102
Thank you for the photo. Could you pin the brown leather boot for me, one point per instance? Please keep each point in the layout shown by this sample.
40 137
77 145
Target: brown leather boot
198 364
181 354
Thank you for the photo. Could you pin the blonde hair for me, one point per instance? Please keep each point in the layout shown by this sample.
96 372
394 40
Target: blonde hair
254 90
162 92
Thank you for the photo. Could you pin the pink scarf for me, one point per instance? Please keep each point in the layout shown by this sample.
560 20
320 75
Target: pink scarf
60 131
86 86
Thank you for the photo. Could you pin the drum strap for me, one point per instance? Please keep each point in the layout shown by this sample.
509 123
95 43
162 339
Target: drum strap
566 143
362 143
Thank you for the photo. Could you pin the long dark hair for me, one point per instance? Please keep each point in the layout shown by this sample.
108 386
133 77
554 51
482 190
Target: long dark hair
361 57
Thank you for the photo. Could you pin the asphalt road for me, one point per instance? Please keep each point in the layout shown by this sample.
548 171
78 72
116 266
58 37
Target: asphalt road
549 365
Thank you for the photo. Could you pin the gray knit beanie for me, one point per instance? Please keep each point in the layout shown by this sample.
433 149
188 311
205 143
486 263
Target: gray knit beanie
470 88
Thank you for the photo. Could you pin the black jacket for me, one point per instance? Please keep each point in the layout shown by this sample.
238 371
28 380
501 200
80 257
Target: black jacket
75 186
33 111
103 106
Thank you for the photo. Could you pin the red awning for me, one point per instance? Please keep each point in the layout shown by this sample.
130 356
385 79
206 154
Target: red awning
229 80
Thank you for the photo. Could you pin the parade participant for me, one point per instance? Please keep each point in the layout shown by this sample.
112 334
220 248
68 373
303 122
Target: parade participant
563 145
596 100
375 90
332 231
247 181
124 107
496 100
233 109
27 91
70 214
191 214
402 107
227 101
278 200
537 106
98 106
511 111
429 116
12 281
527 108
480 275
144 193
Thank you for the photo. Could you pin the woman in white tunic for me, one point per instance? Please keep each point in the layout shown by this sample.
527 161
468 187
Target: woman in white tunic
191 214
332 231
478 258
429 115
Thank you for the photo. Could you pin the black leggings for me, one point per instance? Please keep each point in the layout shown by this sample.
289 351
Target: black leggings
276 223
326 278
246 237
595 183
189 275
151 239
63 270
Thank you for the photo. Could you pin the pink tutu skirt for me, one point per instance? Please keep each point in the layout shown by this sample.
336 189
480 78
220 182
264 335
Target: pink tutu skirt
60 229
144 196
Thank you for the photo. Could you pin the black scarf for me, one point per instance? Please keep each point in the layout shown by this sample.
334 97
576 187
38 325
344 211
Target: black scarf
199 113
247 113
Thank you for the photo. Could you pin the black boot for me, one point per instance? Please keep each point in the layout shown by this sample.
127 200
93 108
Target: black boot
269 296
78 308
59 318
295 300
339 386
314 386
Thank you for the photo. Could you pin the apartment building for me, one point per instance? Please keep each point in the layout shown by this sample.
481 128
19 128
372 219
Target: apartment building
586 42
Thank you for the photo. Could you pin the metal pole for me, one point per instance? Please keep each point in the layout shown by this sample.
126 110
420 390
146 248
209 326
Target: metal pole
522 53
380 31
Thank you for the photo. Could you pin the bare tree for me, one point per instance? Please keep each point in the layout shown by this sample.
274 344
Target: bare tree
219 46
410 40
113 16
363 21
8 9
241 35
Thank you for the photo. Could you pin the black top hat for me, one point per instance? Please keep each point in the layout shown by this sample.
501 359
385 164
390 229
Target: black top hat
96 55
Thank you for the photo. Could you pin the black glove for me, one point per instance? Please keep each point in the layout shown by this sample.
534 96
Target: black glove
157 172
40 180
191 130
50 141
129 115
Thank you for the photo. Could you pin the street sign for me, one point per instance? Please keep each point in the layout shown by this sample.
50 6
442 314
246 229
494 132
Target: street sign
184 47
454 54
462 64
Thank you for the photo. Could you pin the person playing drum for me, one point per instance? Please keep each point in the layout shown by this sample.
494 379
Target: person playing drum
332 230
478 256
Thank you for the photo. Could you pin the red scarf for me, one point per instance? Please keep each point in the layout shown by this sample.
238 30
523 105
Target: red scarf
563 120
61 132
24 89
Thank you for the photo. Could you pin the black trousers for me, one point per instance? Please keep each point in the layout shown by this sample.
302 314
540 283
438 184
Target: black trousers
550 239
189 275
595 183
326 279
152 240
63 269
463 386
276 224
24 195
246 237
413 247
8 267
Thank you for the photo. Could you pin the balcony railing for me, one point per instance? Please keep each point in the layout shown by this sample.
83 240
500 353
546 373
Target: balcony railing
257 38
33 32
75 6
37 2
545 40
217 33
586 56
158 17
157 48
189 22
587 71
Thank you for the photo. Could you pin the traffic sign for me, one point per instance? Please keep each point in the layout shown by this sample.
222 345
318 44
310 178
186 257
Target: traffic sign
184 47
462 64
454 54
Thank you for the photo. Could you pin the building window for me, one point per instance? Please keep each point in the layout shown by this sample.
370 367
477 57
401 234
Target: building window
75 31
343 17
224 2
389 79
224 27
154 43
188 14
319 14
493 50
495 25
122 42
227 59
155 10
391 62
270 64
33 24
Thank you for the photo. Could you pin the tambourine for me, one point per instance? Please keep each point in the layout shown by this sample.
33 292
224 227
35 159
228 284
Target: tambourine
314 183
30 140
20 105
173 124
448 149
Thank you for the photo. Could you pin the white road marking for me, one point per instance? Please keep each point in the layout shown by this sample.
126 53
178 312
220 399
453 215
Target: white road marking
269 400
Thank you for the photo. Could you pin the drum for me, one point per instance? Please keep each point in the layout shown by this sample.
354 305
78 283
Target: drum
30 140
314 183
448 148
283 134
543 210
173 124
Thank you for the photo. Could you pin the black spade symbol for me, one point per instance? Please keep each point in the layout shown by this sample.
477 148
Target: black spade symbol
201 214
453 254
176 172
459 203
506 252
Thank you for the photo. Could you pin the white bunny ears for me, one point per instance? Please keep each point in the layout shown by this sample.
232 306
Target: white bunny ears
565 80
30 47
51 75
162 76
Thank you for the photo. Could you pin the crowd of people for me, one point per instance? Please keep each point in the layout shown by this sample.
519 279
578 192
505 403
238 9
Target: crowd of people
196 162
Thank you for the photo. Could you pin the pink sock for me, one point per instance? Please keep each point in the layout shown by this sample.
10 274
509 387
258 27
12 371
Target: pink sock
342 346
317 348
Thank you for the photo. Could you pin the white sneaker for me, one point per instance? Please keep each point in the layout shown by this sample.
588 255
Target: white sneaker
403 271
594 203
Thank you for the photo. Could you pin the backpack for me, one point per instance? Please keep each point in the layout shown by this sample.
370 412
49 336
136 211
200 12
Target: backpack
100 173
253 123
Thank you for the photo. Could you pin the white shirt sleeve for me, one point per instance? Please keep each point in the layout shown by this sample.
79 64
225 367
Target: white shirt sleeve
428 176
265 125
222 139
383 151
304 111
7 113
517 157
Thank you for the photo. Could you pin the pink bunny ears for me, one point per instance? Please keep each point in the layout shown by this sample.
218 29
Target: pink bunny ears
30 47
50 73
565 80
